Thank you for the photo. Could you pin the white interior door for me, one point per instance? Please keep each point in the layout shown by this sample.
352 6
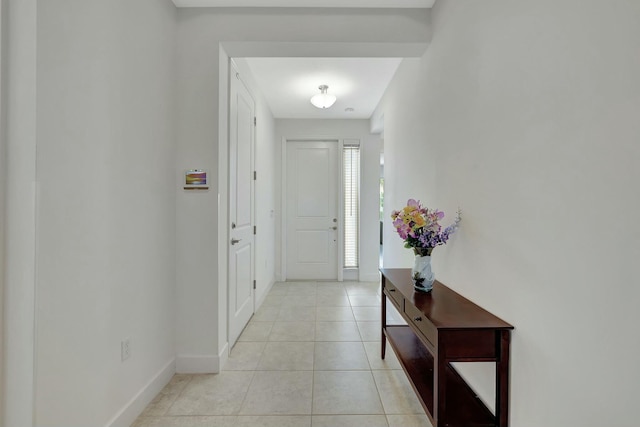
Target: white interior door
241 207
312 210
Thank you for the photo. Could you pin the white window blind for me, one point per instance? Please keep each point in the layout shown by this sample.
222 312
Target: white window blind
351 179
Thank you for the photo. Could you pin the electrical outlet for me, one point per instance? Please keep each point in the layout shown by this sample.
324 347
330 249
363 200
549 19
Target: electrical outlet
125 349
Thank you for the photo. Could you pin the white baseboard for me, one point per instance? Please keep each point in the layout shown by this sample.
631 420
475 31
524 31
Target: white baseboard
223 356
128 414
197 364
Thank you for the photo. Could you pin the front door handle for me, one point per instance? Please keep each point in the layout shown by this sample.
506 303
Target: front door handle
234 241
333 228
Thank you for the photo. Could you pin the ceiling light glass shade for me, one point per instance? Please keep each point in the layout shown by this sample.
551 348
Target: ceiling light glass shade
323 99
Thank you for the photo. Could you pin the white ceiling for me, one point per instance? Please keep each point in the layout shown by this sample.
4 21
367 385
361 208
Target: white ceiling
289 83
306 3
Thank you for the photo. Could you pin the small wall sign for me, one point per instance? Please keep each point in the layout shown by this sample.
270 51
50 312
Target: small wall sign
196 179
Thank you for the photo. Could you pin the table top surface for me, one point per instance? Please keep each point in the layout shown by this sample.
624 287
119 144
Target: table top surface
445 308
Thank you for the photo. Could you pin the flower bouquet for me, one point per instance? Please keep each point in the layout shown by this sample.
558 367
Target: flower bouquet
420 229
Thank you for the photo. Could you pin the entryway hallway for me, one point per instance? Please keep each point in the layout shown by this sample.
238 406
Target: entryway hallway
310 357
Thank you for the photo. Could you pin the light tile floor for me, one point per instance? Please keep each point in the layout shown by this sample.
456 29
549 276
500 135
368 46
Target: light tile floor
310 357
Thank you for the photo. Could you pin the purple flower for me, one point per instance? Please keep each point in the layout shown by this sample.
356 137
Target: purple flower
419 226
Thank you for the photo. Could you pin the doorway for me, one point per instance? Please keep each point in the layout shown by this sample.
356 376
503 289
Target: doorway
312 203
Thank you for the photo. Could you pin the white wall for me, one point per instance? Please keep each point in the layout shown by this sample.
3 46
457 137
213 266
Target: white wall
524 114
202 122
288 129
3 184
105 209
19 276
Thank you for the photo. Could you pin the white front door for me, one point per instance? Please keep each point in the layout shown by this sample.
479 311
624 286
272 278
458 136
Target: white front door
312 210
241 215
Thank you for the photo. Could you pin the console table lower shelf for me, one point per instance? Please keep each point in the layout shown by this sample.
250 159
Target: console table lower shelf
418 364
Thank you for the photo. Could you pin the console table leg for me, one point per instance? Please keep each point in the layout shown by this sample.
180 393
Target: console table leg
502 379
383 305
440 387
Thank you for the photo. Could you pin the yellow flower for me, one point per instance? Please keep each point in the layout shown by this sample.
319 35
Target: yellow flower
419 220
408 210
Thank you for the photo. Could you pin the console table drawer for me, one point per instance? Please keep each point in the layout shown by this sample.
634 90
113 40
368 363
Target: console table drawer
423 324
395 295
469 344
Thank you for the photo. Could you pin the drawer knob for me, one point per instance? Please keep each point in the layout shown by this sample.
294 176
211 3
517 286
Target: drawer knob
417 319
391 290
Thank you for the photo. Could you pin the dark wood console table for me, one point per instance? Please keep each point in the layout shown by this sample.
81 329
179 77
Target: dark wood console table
444 327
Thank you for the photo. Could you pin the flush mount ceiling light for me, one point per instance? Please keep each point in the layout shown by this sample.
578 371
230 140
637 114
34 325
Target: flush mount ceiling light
323 99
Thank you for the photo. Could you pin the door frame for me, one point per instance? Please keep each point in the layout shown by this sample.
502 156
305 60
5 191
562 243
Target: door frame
340 205
233 72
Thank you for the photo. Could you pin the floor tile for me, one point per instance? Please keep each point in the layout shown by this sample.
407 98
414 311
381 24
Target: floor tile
219 394
274 421
364 300
272 301
345 392
309 357
178 383
367 314
292 356
396 393
279 393
340 356
293 331
280 285
302 284
409 421
163 401
373 350
327 286
278 290
337 331
216 421
334 314
256 331
244 356
299 300
297 314
349 421
333 300
266 314
159 405
370 331
362 288
302 289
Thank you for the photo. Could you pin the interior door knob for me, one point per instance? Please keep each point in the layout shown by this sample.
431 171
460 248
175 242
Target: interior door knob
234 241
333 228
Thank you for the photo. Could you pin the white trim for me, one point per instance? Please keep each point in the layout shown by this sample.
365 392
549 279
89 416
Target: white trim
198 364
283 211
129 412
223 356
417 4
